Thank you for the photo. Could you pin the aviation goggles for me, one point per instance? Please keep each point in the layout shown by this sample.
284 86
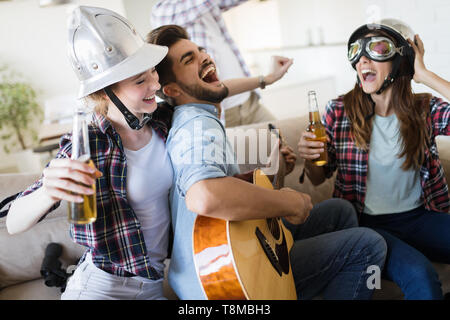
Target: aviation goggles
375 48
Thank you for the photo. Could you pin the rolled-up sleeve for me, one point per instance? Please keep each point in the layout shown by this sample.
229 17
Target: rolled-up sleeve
198 152
189 175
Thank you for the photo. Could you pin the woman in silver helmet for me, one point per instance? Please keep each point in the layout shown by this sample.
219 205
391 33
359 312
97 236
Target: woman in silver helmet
382 144
128 242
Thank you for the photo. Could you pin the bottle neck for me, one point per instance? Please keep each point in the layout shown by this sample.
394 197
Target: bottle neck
313 106
314 115
80 136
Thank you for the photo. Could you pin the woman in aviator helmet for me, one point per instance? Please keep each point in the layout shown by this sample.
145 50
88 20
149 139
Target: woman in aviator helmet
127 244
382 144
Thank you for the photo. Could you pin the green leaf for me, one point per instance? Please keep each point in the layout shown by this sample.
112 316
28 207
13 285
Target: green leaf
18 107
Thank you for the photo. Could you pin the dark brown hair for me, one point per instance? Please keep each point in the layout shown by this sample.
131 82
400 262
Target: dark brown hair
167 36
411 110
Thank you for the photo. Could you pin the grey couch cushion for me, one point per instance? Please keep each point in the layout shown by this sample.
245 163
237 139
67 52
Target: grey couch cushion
21 255
30 290
37 290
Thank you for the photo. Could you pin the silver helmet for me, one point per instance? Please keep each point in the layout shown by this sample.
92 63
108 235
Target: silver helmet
104 48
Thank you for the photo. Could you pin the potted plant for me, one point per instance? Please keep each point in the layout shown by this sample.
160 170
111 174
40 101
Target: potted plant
19 112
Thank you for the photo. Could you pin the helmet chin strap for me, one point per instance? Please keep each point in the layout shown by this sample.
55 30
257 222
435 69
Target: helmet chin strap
387 81
130 118
392 75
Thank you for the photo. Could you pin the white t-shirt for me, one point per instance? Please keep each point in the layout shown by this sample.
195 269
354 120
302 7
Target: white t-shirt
227 63
149 179
390 189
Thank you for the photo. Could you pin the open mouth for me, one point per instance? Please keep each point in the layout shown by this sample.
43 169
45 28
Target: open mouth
208 74
150 99
368 75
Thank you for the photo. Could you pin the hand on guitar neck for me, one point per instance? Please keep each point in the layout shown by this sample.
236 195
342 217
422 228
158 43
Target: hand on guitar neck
284 152
287 159
284 155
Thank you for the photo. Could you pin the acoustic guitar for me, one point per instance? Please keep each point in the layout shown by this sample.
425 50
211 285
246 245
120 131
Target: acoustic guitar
238 260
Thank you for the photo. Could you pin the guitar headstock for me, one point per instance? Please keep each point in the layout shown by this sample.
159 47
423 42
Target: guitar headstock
278 181
277 133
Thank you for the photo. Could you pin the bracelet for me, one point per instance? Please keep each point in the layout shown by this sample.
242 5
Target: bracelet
262 82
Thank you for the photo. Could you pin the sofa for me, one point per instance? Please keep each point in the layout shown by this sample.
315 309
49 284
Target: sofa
21 255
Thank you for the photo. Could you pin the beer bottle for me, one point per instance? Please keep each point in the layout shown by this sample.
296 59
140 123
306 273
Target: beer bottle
315 126
86 211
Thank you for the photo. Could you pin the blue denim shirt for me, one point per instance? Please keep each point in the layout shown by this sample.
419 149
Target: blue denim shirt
199 150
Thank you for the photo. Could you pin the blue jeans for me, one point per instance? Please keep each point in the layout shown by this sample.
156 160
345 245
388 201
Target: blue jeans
331 254
414 238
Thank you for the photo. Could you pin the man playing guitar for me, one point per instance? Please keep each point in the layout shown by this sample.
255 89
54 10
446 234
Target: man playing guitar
330 254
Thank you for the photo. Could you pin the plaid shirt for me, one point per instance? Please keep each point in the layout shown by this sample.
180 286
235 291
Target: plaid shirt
352 163
188 13
115 239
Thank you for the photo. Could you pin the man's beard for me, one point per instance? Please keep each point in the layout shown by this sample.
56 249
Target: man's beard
204 94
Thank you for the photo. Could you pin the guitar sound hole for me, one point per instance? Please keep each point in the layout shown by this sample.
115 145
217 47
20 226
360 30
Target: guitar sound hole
274 227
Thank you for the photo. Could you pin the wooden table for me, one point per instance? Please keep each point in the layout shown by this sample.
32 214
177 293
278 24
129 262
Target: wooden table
49 136
52 131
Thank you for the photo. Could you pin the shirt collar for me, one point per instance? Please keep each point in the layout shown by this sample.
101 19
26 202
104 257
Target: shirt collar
207 107
101 122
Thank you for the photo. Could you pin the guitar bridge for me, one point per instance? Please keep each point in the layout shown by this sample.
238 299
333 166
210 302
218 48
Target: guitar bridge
271 255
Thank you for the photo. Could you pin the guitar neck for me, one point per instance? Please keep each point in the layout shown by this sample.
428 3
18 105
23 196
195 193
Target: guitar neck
278 180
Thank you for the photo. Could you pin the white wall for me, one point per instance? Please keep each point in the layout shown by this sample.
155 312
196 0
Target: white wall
138 12
34 39
431 20
315 33
33 42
